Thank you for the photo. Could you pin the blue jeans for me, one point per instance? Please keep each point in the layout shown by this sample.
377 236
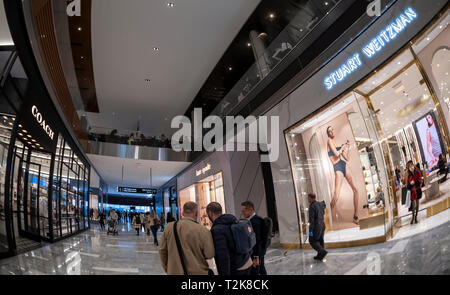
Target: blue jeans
154 229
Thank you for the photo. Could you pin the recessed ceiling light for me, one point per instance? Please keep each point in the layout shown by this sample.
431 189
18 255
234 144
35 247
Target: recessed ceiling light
230 68
79 28
271 15
171 4
29 135
249 44
25 131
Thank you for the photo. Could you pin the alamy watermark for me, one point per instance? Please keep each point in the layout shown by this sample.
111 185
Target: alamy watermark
241 134
74 8
374 8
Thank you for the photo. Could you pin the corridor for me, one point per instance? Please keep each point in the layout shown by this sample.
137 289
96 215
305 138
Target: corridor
95 253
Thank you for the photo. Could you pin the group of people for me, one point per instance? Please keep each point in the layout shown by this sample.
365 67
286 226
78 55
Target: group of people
186 246
150 222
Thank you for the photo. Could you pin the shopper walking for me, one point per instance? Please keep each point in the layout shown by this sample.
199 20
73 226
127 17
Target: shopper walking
102 220
147 222
317 226
195 245
259 250
137 223
413 181
228 261
163 220
154 226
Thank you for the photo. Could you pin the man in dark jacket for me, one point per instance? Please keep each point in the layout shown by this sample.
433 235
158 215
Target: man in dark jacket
259 250
316 226
228 262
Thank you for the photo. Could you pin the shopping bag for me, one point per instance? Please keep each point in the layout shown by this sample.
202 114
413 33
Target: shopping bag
408 199
404 192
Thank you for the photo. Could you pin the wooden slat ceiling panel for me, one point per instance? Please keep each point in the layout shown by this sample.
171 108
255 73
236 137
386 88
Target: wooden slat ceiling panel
43 15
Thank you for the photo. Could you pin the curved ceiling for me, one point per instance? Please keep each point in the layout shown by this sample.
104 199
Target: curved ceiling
191 38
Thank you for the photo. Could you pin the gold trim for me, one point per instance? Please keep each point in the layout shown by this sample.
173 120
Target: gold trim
356 243
401 71
438 208
437 104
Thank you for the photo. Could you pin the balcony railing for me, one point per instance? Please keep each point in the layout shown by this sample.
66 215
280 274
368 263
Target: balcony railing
310 14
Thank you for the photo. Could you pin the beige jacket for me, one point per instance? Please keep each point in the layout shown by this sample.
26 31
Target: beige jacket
196 242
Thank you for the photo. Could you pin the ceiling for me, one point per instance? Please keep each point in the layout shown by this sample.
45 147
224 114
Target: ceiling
191 38
136 173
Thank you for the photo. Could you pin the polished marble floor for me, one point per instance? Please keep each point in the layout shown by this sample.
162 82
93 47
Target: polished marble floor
95 253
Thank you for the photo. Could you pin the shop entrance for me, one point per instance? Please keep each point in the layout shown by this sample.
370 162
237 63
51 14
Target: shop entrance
207 190
30 195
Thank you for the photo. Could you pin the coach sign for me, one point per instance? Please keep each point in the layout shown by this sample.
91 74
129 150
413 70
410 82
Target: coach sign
41 122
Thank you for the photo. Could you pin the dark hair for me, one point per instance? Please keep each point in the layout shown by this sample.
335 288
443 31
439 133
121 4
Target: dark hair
328 131
214 208
248 205
312 196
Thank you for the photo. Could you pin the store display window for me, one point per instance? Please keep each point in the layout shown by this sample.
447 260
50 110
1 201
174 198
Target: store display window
353 152
207 190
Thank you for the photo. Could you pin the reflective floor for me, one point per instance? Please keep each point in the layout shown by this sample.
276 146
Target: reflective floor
93 252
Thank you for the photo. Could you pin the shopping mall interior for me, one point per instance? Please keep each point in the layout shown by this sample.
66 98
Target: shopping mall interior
97 96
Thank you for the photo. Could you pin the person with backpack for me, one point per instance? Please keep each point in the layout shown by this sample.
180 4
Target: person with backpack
262 234
137 223
317 226
233 241
186 245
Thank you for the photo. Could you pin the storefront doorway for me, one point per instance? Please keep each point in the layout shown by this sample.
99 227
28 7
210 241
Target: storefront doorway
29 187
207 190
353 152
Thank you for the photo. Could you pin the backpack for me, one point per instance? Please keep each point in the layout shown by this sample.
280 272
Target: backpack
267 232
138 219
244 236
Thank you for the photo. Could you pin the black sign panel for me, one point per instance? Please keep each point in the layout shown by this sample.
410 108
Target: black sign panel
136 190
37 127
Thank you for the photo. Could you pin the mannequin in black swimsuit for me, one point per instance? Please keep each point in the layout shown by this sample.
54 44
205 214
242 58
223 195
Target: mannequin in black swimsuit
340 171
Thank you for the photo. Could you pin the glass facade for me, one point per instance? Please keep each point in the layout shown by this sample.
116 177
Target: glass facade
43 187
353 152
207 190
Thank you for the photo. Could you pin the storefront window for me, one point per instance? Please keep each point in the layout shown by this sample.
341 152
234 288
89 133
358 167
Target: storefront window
207 190
6 122
353 153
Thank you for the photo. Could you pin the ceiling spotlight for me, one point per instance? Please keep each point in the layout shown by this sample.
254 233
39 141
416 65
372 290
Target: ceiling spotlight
271 15
79 29
29 135
24 131
33 140
171 4
249 44
230 68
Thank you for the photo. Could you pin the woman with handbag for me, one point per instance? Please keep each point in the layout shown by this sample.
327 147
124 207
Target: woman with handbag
413 181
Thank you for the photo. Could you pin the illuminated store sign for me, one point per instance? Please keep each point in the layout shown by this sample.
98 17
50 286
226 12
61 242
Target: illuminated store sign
41 121
372 48
203 170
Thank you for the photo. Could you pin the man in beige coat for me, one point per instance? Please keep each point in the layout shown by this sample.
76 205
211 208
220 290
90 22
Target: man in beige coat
196 243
